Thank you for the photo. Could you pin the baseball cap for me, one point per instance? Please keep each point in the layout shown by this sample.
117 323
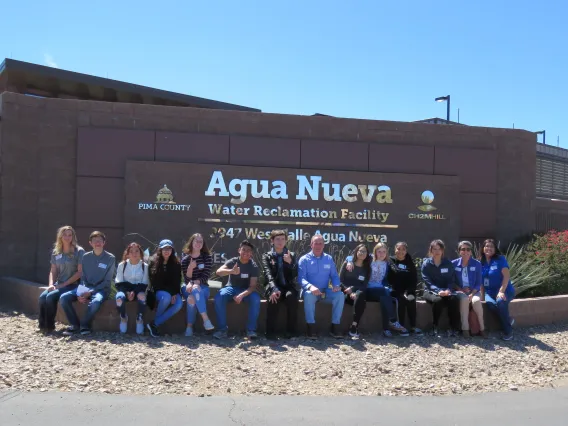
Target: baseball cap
166 243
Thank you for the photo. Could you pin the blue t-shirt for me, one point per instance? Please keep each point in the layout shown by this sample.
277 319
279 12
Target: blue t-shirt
493 276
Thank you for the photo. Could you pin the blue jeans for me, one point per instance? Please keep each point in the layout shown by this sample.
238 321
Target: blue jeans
225 295
95 302
199 302
501 308
121 300
336 299
164 307
48 307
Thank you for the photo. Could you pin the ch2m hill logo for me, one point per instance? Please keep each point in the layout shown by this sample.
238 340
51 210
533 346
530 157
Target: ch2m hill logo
427 207
164 201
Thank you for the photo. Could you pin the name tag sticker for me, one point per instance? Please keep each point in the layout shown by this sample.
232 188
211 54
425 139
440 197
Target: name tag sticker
444 270
493 268
401 266
244 275
326 266
59 256
472 268
458 269
102 266
201 266
361 278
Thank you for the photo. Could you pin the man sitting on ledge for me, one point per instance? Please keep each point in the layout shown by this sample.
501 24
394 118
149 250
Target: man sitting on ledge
98 270
243 276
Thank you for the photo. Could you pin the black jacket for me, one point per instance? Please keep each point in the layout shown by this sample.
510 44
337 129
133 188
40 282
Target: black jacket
402 275
166 280
270 269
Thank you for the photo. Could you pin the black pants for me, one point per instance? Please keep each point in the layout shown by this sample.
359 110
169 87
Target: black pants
404 306
289 299
372 295
451 302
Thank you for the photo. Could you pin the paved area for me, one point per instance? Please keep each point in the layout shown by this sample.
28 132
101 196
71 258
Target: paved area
545 407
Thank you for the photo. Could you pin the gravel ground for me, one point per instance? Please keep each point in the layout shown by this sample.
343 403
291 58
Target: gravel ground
202 366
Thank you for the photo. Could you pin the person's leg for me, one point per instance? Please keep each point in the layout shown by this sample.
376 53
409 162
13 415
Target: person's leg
453 304
93 307
66 302
310 306
163 300
51 301
350 302
291 303
437 306
42 320
201 296
359 305
337 301
463 300
503 311
121 304
411 309
478 309
253 301
191 309
223 296
272 316
171 309
382 296
401 302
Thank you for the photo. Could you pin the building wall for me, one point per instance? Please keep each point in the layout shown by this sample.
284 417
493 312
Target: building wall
63 162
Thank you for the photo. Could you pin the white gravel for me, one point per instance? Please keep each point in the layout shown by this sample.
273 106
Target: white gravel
113 363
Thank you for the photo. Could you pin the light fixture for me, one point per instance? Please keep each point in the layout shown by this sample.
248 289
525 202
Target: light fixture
543 133
445 99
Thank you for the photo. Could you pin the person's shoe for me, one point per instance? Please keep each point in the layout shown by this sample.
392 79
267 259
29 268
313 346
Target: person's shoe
220 334
123 325
208 325
512 321
334 331
466 333
451 333
70 331
189 332
271 336
310 332
353 331
483 334
387 333
153 329
85 331
396 326
140 327
251 334
507 337
416 331
434 331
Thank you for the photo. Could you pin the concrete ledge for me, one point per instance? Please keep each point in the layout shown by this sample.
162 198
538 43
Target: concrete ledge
23 296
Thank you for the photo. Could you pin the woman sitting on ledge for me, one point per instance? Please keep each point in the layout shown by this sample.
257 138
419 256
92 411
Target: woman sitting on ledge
497 287
64 276
131 283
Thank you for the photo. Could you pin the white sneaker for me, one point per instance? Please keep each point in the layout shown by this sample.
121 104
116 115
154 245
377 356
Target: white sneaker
139 327
189 332
123 325
208 325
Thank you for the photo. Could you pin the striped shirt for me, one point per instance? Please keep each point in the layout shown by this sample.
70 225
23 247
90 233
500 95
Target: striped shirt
201 272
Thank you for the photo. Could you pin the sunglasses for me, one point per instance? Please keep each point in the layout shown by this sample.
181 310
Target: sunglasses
465 249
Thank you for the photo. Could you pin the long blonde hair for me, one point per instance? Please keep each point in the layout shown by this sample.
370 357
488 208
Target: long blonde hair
58 245
378 246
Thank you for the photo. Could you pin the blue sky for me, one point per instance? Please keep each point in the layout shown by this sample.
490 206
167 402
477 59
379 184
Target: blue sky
502 62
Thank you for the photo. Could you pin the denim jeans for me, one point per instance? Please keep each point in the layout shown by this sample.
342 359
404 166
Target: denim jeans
164 307
140 298
48 306
336 299
501 308
95 302
199 302
225 295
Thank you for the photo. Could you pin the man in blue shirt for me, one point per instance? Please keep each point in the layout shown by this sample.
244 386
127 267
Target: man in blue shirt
315 270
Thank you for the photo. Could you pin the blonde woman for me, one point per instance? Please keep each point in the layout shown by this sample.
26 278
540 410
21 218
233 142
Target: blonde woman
64 275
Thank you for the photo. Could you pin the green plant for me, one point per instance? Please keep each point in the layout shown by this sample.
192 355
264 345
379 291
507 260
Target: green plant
527 271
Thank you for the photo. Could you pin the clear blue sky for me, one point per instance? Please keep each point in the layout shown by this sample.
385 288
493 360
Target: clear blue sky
502 62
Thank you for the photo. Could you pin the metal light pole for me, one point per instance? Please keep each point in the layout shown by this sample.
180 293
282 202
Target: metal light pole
543 133
445 99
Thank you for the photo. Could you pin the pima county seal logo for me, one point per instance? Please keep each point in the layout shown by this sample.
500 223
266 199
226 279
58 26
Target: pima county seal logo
164 201
427 198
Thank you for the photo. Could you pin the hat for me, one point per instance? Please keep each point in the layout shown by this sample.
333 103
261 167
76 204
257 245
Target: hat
166 243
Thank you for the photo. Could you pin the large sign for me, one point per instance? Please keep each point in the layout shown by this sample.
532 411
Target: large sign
230 203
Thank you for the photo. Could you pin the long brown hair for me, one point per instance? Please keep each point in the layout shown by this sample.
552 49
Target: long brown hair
439 243
188 248
130 247
58 245
482 251
158 260
366 261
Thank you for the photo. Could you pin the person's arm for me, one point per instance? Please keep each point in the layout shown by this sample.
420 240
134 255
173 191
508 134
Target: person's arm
104 285
342 276
476 288
226 269
146 279
184 268
427 279
413 280
120 272
270 284
253 281
174 280
505 282
454 283
73 278
53 275
303 273
205 273
335 281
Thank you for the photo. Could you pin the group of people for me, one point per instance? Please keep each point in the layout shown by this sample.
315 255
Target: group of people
165 283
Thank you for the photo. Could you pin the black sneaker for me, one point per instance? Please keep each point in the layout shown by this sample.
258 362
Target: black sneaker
70 331
354 331
85 331
334 331
153 329
310 333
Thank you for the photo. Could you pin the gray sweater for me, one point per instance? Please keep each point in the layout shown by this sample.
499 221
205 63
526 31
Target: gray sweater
98 271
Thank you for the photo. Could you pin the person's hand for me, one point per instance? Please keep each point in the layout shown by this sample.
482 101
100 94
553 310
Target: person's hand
236 270
189 287
349 266
315 291
195 287
130 296
466 290
444 293
274 297
353 296
335 289
349 290
51 288
287 258
83 299
87 295
174 298
239 298
192 264
501 296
